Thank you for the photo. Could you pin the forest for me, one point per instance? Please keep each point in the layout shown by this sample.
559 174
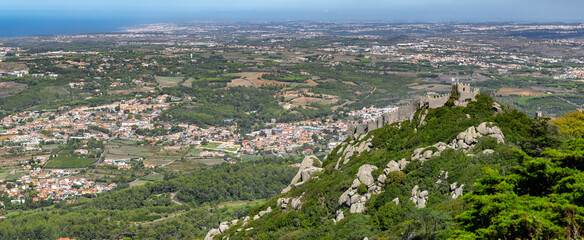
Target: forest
181 207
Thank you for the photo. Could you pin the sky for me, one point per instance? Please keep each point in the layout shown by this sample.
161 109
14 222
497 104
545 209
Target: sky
380 10
52 15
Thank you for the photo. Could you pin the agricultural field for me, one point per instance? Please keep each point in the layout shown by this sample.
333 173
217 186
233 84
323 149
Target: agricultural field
10 176
188 82
254 79
6 137
550 105
168 81
128 151
9 88
69 162
220 146
519 92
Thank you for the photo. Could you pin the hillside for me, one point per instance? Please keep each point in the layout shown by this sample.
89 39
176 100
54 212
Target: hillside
179 207
468 172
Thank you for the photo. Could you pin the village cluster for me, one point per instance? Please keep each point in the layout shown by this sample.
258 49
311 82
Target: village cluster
28 131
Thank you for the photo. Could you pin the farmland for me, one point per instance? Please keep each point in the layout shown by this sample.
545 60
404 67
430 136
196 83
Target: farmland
69 162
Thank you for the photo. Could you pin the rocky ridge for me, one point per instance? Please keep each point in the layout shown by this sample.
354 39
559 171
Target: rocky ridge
364 184
464 141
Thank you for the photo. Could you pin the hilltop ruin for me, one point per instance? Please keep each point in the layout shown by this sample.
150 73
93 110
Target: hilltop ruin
461 94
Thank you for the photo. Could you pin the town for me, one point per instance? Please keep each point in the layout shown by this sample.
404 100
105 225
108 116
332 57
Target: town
168 98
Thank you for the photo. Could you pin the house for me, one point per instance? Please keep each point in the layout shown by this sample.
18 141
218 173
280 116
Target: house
82 151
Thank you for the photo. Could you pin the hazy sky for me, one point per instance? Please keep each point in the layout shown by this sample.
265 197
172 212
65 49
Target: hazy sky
334 10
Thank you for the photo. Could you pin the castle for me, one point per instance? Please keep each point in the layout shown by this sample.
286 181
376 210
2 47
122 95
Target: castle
464 91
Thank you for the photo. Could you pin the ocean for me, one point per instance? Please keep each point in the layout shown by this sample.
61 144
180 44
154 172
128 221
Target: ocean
17 24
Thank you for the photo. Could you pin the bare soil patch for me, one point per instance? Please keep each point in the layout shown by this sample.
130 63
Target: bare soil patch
252 79
311 83
6 137
519 91
240 82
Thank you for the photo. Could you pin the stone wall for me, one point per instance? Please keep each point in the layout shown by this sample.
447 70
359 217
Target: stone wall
407 112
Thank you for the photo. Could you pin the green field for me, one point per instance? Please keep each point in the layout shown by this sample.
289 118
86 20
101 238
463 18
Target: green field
50 147
69 162
168 81
8 176
188 82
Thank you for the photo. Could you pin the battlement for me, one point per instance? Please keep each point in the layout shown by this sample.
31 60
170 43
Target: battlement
466 94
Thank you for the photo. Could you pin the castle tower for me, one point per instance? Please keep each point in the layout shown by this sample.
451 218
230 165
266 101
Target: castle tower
538 114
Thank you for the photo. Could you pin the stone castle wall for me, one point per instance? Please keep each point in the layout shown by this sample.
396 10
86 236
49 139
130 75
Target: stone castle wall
407 112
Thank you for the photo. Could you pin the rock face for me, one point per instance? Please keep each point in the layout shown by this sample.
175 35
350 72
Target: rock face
419 197
306 171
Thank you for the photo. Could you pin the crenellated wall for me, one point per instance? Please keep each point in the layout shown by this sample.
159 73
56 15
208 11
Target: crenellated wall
407 112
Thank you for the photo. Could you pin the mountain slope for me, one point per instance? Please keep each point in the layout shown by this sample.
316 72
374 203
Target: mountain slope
402 181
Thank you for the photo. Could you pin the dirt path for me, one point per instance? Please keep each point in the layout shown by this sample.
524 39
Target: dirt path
175 199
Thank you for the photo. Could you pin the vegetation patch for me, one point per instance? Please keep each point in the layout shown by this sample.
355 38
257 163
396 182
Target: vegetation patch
69 162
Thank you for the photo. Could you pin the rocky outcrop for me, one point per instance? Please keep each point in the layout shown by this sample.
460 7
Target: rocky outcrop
497 108
364 174
442 176
354 148
456 192
467 139
355 200
419 197
463 141
291 203
212 233
488 151
424 154
340 216
307 170
224 226
261 213
351 196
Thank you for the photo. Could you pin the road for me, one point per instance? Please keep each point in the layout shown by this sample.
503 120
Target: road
101 157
